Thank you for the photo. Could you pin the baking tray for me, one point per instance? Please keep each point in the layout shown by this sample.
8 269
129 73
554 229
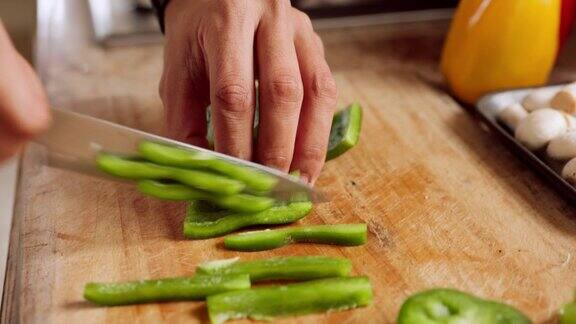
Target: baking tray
490 106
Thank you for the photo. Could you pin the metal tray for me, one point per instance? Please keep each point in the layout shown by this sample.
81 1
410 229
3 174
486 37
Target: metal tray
490 106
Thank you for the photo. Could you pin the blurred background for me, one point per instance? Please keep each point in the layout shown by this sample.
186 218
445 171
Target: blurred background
121 22
19 18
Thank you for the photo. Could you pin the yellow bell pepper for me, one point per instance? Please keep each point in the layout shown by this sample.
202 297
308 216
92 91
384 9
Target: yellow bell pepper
500 44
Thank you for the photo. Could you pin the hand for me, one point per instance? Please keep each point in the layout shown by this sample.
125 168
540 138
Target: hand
214 51
24 110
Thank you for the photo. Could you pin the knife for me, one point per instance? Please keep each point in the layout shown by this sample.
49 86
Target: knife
74 140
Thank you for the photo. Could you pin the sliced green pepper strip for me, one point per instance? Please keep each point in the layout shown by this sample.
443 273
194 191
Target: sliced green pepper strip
182 158
138 170
280 268
266 303
172 191
201 223
147 291
439 306
345 131
343 234
567 314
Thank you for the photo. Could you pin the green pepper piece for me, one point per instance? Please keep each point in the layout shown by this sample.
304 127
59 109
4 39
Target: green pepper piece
345 131
182 158
439 306
295 174
202 224
342 234
172 191
323 295
280 268
147 291
138 170
567 314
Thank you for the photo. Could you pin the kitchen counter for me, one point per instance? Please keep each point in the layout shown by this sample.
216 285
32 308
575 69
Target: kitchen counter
446 203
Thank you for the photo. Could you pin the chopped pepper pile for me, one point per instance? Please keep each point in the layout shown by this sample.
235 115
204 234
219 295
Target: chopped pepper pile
325 285
225 197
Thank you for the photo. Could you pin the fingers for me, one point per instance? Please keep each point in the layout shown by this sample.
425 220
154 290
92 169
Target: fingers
184 93
24 111
280 87
230 65
184 85
297 93
318 106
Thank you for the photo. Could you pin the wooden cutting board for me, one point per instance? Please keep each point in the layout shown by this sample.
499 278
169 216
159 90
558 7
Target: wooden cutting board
446 204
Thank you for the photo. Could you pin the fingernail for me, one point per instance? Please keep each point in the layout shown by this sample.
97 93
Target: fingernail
305 178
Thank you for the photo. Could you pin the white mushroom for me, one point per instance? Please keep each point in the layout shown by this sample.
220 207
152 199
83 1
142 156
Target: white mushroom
565 99
563 146
512 114
541 126
570 120
538 99
569 171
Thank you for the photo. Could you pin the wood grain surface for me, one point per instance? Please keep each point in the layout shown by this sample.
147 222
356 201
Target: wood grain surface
447 205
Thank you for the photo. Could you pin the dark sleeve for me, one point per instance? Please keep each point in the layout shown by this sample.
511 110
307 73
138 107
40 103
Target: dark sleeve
159 8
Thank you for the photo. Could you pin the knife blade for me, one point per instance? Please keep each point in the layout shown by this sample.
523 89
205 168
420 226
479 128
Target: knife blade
74 141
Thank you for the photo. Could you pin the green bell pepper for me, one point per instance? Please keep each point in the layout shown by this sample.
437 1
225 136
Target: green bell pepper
298 268
309 297
343 234
138 170
202 222
146 291
182 158
173 191
443 306
567 314
345 131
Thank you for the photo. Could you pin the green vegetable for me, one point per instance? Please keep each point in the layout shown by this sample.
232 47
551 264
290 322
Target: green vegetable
173 191
345 131
439 306
568 314
289 300
280 268
139 170
146 291
201 222
182 158
344 234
